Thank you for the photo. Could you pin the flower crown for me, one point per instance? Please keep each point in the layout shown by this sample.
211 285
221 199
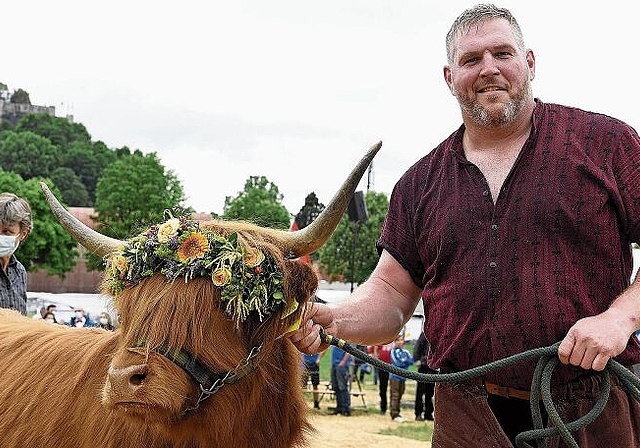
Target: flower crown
250 281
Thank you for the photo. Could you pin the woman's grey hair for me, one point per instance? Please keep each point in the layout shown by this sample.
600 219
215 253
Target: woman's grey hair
474 17
15 209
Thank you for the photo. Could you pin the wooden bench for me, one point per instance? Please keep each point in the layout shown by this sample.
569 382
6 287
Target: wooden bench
330 392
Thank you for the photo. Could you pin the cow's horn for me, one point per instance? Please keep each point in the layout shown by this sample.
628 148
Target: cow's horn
311 238
95 242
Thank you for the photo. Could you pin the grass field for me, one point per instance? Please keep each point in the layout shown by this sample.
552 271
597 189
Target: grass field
409 430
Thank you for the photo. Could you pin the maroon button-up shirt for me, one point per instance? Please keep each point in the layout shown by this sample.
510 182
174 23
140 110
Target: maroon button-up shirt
501 279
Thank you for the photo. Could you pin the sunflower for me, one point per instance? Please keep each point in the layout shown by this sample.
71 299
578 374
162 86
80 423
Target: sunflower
194 246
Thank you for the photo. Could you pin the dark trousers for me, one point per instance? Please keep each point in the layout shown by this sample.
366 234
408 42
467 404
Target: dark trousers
383 382
424 400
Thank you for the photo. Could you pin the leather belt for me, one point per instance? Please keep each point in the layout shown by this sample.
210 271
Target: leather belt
506 392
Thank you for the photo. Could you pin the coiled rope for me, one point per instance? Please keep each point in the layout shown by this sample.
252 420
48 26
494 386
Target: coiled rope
540 387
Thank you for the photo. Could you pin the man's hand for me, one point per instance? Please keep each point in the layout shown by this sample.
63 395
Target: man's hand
307 337
592 341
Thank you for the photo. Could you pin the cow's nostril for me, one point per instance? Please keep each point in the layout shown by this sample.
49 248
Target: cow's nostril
137 379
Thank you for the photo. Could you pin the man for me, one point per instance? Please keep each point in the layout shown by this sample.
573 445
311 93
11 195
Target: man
340 362
423 406
15 226
311 364
80 319
515 232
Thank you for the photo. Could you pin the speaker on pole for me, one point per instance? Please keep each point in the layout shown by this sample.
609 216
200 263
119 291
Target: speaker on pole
357 209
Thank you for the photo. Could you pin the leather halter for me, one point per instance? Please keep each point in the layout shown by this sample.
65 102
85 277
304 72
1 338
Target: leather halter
210 382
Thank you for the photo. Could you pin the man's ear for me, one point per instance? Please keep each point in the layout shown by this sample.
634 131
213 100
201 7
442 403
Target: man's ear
448 78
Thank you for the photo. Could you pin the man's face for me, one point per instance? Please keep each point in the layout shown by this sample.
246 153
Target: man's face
489 75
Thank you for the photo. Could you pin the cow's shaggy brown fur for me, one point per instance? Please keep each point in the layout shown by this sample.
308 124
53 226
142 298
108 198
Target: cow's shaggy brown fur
55 387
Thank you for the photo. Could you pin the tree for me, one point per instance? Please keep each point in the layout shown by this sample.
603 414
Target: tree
309 211
335 256
133 193
58 130
28 154
20 97
307 214
72 189
88 161
49 246
260 202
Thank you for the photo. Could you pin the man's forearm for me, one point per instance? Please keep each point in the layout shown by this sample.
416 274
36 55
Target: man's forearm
628 307
374 314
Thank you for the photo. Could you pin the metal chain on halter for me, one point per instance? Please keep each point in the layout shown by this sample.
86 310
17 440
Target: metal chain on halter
240 371
540 387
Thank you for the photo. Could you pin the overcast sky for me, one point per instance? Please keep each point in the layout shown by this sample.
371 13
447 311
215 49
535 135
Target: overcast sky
294 90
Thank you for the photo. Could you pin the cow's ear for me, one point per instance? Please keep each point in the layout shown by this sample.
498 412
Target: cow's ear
301 281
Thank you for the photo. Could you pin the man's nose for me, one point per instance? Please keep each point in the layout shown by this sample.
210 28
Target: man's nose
489 65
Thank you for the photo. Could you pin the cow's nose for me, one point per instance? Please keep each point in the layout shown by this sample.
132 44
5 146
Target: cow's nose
127 379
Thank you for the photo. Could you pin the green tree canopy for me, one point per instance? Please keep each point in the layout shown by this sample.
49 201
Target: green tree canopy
58 130
309 211
260 202
88 161
335 256
71 187
20 97
49 246
133 192
28 154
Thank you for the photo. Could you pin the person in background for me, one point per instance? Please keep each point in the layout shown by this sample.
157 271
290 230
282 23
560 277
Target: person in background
15 226
400 357
51 308
80 319
105 321
516 233
49 317
424 391
383 353
311 366
340 363
358 364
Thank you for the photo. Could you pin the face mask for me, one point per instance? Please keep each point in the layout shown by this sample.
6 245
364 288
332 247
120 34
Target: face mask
8 245
104 320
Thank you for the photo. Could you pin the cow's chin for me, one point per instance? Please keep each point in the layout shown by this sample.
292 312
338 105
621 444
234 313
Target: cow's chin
146 414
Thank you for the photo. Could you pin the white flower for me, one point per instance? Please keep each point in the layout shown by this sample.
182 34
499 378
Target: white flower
168 229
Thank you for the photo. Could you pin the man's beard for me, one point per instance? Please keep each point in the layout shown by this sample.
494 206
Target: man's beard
484 117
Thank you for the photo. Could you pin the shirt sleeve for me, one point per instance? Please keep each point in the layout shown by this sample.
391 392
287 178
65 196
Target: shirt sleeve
397 236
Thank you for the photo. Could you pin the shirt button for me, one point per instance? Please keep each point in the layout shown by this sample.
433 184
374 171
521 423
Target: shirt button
493 264
485 193
494 226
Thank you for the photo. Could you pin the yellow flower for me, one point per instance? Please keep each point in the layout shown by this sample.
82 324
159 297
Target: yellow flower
253 257
168 229
118 264
221 276
193 247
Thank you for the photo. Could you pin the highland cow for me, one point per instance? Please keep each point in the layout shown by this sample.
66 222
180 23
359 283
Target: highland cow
200 358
